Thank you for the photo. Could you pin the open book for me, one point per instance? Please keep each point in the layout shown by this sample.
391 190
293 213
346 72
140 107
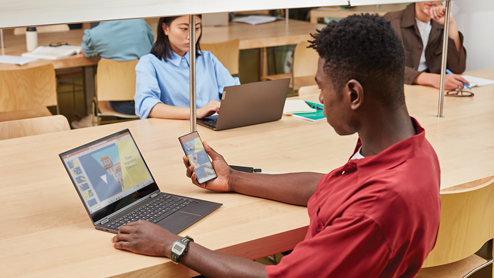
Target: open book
53 52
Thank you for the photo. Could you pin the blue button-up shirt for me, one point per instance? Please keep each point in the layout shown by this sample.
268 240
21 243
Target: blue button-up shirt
168 82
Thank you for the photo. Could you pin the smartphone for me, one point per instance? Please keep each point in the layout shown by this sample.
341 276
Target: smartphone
195 152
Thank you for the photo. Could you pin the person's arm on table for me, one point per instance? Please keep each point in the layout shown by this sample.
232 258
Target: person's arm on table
161 110
452 81
292 188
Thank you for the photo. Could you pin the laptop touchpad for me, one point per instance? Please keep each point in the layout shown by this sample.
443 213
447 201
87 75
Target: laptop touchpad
178 221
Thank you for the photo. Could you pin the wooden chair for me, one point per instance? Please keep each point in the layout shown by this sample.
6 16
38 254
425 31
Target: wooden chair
34 126
115 81
308 90
44 29
26 92
304 67
227 52
467 223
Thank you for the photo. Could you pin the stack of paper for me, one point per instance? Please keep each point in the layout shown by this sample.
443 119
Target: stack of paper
255 19
298 109
53 52
477 82
7 59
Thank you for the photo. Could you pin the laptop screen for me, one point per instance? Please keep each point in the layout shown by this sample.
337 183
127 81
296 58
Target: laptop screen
109 174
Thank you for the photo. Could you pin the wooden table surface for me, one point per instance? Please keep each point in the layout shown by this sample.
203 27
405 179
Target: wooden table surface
46 231
16 45
331 12
262 35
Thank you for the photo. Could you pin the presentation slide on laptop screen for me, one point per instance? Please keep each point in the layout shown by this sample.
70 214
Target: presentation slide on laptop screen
107 171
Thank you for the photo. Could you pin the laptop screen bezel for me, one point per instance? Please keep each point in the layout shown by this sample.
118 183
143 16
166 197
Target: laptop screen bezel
126 201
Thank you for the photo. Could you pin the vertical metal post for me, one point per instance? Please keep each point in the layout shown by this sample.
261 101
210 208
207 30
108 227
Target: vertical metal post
2 45
286 16
192 71
444 60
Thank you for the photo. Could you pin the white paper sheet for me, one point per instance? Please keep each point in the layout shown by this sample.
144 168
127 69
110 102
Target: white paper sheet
255 19
297 106
7 59
477 81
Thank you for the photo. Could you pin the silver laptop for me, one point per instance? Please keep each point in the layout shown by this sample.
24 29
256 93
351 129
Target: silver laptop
249 104
116 187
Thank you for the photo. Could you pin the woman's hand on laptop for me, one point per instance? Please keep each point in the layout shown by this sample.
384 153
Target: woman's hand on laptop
222 169
209 109
146 238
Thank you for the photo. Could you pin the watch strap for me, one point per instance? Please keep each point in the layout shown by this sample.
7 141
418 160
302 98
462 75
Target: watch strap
185 241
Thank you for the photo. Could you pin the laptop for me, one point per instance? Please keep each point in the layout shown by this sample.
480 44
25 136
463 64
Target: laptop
116 187
249 104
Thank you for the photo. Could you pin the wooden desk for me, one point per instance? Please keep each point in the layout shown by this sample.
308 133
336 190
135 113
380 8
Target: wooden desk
276 33
16 45
46 231
263 35
331 12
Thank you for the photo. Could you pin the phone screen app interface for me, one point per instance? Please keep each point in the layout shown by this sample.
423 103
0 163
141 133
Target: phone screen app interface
194 150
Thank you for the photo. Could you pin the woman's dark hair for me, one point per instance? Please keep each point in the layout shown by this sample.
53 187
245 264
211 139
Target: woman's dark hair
161 48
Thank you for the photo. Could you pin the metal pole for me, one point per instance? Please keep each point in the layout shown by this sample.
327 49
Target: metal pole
192 71
1 39
286 16
444 60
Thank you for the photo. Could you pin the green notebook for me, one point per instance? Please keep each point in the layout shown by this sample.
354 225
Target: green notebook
315 116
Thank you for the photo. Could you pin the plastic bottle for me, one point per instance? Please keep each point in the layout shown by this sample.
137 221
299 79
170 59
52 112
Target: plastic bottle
31 38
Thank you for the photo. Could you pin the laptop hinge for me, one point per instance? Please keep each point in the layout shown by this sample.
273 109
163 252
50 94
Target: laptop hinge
154 195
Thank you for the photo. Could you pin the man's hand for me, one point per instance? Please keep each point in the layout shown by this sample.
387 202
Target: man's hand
143 237
223 171
208 109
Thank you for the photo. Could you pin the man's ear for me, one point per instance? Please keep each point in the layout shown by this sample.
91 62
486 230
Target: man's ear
354 92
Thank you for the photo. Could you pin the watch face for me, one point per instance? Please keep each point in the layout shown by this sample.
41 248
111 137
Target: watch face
178 248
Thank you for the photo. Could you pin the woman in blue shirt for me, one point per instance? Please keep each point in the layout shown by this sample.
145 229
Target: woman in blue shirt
162 85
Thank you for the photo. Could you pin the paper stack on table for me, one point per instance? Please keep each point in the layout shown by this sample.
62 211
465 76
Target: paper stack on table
53 52
477 82
255 19
7 59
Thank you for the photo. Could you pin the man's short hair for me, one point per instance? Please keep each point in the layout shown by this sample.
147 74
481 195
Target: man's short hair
365 48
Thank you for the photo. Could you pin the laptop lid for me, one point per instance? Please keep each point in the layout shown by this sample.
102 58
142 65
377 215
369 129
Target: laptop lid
109 175
253 103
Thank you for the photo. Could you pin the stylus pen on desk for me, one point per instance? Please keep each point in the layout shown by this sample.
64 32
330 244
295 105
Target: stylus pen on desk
313 106
464 84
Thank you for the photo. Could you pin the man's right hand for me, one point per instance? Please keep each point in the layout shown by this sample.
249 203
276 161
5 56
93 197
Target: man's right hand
223 171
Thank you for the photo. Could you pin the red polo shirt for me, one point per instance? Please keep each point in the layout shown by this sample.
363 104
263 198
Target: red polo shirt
373 217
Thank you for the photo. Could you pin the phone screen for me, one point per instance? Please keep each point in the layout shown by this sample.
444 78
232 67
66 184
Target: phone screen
194 150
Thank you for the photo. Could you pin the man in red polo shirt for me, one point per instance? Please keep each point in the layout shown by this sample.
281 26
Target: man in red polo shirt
377 215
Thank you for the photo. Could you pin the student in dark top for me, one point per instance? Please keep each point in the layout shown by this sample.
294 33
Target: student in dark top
421 28
372 217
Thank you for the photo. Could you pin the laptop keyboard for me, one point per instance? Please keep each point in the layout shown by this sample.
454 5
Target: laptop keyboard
154 211
209 122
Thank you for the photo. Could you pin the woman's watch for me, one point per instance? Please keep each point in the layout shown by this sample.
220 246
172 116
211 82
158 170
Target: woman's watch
179 248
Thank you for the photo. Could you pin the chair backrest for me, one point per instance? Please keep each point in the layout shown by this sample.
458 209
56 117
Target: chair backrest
44 29
28 88
33 126
308 90
116 80
227 52
467 222
304 60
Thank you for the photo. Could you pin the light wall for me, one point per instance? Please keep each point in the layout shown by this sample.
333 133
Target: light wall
475 20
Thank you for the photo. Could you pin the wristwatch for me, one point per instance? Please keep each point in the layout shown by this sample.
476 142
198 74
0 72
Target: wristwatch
179 248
